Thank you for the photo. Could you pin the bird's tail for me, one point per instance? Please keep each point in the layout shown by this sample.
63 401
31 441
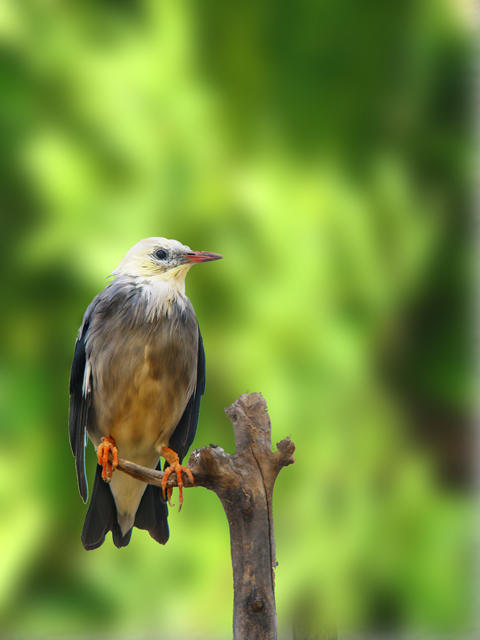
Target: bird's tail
101 516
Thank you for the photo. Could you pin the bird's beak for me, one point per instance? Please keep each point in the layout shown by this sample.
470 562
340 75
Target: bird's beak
201 256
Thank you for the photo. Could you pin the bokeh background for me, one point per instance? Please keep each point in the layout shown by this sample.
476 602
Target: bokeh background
323 148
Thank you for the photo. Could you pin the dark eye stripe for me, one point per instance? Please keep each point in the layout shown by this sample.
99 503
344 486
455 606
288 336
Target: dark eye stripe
161 254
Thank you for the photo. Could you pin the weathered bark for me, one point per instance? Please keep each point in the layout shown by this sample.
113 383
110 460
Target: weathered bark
244 483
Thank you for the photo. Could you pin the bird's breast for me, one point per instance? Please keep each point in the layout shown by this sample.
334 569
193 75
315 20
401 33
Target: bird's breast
143 374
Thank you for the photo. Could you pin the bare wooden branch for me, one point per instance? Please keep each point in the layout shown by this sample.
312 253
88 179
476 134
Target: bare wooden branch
244 483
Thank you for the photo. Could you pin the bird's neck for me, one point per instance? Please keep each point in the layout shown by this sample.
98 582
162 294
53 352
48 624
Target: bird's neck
158 296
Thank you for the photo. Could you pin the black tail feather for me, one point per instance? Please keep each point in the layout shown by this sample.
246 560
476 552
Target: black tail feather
102 516
152 514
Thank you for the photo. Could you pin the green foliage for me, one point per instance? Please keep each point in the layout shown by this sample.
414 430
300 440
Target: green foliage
322 148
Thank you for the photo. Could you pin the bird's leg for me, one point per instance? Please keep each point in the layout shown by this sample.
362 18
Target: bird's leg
104 449
174 465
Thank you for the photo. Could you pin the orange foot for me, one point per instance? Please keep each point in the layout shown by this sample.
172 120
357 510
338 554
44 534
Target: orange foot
174 465
104 449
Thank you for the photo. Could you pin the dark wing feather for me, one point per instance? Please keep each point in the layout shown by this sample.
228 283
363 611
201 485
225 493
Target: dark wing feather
80 406
185 431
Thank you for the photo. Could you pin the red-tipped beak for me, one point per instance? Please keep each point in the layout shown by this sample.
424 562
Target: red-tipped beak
201 256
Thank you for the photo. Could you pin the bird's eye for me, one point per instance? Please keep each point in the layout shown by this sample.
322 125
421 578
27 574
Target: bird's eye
160 254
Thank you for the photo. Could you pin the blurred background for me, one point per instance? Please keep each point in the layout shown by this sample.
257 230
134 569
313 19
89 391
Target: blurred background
323 149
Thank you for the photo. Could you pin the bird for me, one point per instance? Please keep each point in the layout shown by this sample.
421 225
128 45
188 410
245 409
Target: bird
136 381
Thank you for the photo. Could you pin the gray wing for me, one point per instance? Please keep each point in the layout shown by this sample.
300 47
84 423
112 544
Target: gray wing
185 431
80 406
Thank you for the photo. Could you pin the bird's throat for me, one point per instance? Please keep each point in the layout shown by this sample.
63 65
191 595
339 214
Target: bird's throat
160 296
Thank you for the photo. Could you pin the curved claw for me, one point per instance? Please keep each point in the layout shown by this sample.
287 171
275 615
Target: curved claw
174 466
104 449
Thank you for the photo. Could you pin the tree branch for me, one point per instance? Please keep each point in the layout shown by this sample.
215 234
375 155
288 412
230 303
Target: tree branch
244 483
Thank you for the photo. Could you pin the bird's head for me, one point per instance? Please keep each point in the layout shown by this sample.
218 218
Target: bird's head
161 259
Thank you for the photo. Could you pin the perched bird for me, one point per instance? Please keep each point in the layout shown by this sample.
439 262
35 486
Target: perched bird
137 377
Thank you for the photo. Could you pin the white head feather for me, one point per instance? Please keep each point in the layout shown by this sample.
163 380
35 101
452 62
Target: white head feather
141 261
160 279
